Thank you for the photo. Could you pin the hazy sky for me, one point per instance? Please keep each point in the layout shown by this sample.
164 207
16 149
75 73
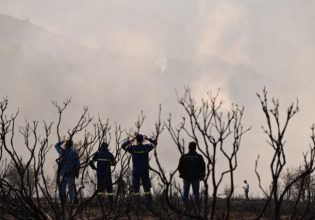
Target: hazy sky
122 56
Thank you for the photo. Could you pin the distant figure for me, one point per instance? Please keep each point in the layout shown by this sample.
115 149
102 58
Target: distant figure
68 170
246 189
191 169
140 161
105 160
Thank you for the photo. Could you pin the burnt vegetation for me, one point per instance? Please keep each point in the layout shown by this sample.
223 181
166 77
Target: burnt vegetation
29 191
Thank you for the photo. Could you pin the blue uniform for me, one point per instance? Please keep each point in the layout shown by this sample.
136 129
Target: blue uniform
105 160
140 161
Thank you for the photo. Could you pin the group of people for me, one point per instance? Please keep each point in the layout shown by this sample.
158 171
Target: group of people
191 168
69 165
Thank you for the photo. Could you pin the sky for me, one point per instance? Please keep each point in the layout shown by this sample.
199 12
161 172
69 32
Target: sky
119 57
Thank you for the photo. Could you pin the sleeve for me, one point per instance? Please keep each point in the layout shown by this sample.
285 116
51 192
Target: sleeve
92 165
131 149
180 165
58 147
202 168
94 158
125 145
150 147
112 160
154 142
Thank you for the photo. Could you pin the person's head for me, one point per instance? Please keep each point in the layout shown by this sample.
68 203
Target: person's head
68 143
104 146
139 138
192 147
245 181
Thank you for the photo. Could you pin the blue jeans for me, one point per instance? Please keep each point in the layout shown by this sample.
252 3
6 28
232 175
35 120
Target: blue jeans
195 187
67 182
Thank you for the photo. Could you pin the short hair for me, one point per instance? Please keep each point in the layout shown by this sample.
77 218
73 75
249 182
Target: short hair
68 143
139 138
192 146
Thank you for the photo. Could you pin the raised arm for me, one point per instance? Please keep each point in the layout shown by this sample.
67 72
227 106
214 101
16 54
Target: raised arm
152 141
58 147
127 143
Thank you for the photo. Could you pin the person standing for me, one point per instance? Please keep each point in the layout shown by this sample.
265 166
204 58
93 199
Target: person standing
105 160
191 169
246 189
68 169
140 161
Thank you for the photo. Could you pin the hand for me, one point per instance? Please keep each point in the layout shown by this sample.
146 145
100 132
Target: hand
145 137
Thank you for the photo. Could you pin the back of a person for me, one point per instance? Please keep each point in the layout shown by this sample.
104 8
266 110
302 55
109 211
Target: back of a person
68 163
104 162
191 166
140 155
191 169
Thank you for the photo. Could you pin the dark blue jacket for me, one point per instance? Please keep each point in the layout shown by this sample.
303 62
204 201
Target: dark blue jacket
105 160
68 161
139 154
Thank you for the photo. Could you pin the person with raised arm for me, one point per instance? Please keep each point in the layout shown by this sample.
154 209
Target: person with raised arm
68 169
140 160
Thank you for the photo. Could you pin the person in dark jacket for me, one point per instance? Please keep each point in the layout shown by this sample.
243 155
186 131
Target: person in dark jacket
191 169
68 170
105 160
140 161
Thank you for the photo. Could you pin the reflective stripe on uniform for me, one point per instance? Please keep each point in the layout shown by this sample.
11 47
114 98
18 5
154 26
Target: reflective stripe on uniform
147 193
109 194
100 159
105 194
136 193
139 152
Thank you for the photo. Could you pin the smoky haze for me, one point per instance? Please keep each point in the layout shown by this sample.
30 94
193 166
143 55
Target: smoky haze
120 57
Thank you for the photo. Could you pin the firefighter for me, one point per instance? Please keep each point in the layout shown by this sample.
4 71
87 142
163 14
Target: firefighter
105 160
140 161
